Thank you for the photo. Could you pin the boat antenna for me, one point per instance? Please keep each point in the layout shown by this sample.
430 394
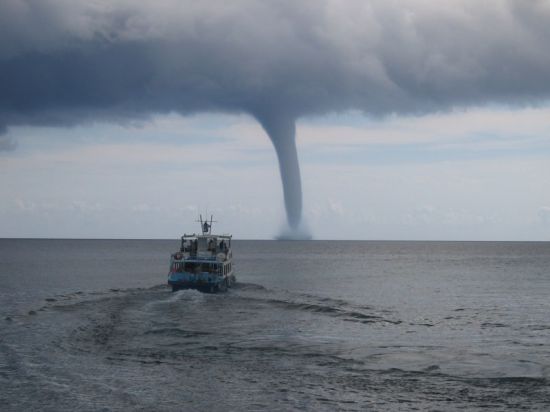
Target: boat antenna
205 226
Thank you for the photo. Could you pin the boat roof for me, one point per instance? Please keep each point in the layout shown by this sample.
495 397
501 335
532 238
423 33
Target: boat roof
194 235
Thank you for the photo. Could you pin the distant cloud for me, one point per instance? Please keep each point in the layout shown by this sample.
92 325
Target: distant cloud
544 214
7 143
64 62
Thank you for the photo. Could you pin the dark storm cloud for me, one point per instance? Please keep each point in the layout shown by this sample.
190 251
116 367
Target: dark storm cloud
70 61
63 62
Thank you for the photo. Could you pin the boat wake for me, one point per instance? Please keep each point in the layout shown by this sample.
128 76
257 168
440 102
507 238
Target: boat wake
149 348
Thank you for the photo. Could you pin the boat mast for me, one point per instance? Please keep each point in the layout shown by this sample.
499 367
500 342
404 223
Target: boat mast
205 226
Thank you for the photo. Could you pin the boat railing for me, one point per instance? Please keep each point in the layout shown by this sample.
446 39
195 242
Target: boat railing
192 259
194 236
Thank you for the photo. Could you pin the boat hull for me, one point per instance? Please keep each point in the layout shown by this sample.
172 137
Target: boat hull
203 282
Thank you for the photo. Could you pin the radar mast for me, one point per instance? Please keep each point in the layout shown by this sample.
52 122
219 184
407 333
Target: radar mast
205 226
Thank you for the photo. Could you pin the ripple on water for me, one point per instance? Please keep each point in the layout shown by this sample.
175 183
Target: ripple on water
291 349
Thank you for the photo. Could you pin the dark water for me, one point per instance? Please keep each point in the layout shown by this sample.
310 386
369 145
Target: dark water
90 325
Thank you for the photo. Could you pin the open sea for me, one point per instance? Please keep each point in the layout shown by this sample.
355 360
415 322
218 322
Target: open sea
90 325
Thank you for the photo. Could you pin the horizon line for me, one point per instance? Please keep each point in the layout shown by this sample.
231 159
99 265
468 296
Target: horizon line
284 240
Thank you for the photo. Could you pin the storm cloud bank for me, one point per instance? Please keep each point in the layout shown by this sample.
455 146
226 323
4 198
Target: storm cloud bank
65 62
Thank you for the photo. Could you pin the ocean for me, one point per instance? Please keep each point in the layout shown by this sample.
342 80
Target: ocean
91 325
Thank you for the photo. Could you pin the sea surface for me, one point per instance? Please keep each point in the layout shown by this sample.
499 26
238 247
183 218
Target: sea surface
91 325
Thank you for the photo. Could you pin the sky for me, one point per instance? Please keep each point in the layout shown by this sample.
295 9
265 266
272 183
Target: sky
412 120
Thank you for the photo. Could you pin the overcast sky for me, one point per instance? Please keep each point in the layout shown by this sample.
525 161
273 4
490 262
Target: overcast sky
414 119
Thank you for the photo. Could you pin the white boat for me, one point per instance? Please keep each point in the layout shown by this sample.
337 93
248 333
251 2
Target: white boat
204 261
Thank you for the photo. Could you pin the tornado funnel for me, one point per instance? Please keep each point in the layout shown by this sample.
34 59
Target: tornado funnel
282 132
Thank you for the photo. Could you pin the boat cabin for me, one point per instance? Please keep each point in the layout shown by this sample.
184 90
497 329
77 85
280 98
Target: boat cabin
203 261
